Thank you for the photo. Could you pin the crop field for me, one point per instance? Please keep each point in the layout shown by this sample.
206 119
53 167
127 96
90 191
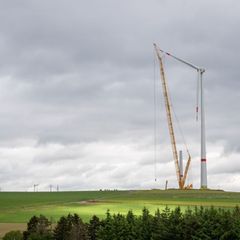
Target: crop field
19 207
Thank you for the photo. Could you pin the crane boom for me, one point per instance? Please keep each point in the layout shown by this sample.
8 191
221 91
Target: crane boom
186 170
181 179
169 117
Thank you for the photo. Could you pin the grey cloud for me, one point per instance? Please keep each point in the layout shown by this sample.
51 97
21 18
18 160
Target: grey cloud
75 73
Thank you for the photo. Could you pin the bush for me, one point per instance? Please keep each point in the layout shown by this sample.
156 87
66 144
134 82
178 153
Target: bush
13 235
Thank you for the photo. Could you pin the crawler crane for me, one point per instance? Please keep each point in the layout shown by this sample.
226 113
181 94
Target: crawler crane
181 178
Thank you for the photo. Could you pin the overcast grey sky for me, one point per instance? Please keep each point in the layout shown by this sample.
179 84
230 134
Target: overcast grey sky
76 92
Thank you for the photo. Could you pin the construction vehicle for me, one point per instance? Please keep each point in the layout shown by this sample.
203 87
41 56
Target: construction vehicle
181 175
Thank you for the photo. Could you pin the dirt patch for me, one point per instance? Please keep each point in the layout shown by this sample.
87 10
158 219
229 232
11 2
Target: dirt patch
88 202
7 227
93 202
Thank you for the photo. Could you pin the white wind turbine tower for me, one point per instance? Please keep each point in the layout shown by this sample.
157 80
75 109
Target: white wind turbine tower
200 72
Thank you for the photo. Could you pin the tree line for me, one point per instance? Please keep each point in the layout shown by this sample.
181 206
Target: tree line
197 224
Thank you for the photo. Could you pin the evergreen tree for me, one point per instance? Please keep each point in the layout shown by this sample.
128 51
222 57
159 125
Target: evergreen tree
146 224
132 227
156 226
236 221
93 227
175 224
62 229
78 228
105 231
163 227
119 227
31 227
71 228
190 225
38 228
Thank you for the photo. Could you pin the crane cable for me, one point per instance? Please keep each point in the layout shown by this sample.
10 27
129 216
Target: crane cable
155 116
197 96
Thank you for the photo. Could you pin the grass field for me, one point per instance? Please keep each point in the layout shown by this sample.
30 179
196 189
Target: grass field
18 207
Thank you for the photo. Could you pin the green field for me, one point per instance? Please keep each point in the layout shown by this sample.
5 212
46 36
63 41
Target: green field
18 207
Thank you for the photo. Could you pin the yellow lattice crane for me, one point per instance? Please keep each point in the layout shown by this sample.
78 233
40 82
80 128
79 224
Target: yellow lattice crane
181 178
